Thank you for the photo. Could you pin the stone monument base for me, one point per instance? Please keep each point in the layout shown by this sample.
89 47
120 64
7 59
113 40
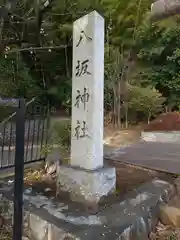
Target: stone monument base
86 186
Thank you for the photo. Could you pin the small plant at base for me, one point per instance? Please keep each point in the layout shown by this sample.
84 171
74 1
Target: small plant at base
59 137
173 237
62 134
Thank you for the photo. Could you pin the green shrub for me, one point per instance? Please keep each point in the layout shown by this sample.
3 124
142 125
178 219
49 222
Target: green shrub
61 133
59 136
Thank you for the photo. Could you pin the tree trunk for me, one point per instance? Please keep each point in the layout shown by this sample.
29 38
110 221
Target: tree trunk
126 114
119 106
149 117
166 109
114 107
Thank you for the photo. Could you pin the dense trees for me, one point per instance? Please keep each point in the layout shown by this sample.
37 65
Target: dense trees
142 64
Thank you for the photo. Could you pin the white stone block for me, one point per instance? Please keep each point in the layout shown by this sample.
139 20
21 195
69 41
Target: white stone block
87 186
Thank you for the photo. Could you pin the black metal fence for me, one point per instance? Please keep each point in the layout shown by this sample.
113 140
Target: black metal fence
22 136
35 135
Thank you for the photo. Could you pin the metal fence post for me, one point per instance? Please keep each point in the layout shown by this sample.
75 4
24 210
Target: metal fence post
19 171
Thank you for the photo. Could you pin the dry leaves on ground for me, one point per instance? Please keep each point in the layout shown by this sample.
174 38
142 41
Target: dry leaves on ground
165 233
5 234
33 175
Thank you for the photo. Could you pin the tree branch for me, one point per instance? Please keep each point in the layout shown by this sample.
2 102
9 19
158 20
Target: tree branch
48 4
13 41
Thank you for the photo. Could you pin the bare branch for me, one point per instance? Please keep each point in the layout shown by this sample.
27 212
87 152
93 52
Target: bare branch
48 4
37 48
13 41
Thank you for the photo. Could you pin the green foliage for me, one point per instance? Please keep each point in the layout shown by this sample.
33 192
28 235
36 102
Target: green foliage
61 133
146 102
113 70
16 79
139 53
125 18
160 60
59 137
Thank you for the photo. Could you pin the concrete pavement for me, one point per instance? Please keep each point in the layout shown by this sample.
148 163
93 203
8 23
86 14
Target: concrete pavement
154 155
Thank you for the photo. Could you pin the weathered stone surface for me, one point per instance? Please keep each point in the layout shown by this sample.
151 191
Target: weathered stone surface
54 233
26 215
131 219
177 184
170 215
38 228
136 216
86 186
25 238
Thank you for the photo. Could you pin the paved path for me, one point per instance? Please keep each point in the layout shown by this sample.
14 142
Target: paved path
158 156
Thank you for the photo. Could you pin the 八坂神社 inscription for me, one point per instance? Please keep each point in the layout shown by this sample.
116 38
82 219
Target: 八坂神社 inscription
83 35
82 98
81 131
82 68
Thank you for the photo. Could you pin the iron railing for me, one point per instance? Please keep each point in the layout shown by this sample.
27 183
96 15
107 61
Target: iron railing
35 135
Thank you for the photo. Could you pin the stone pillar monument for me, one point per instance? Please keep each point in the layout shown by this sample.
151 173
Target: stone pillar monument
86 178
88 92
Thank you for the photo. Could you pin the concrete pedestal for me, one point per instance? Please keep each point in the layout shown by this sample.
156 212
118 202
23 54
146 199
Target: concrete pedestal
86 186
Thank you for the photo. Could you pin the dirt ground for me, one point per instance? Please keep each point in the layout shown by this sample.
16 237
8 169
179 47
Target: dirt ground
129 177
122 137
